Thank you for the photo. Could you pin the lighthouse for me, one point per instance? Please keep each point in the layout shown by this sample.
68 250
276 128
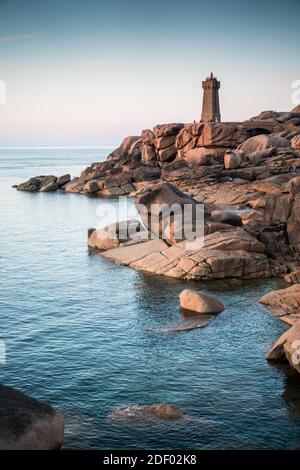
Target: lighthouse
210 104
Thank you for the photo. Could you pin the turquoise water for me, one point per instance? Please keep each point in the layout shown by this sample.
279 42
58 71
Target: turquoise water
76 332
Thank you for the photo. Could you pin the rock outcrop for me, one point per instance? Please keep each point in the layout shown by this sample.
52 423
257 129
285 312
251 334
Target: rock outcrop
295 142
287 347
117 234
284 303
193 156
44 183
246 174
28 424
161 209
200 302
228 253
282 229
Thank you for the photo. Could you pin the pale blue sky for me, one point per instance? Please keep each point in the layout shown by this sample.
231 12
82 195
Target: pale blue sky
89 72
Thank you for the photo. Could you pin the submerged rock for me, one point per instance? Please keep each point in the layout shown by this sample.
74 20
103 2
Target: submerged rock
200 302
164 412
183 327
28 424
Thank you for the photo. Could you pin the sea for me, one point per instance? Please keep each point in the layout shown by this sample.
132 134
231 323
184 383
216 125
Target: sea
87 336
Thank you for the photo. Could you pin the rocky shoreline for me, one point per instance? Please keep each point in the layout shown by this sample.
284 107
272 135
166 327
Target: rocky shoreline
247 176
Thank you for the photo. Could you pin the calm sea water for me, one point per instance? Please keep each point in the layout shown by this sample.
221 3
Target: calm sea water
76 332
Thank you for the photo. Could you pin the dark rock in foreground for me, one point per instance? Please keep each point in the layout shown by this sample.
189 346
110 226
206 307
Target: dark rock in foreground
28 424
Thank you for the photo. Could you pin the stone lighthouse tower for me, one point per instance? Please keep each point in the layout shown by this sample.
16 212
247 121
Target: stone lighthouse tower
210 105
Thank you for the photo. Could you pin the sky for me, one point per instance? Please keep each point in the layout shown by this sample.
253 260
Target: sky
88 73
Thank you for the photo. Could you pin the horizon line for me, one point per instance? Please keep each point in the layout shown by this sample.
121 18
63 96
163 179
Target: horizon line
31 147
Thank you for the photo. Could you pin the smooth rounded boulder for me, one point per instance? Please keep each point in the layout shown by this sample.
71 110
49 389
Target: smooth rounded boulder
48 183
200 302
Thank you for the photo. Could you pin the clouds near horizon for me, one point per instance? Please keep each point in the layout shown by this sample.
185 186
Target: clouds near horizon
16 37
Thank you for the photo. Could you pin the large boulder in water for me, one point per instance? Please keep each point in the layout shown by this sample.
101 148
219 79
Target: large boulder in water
28 424
200 302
